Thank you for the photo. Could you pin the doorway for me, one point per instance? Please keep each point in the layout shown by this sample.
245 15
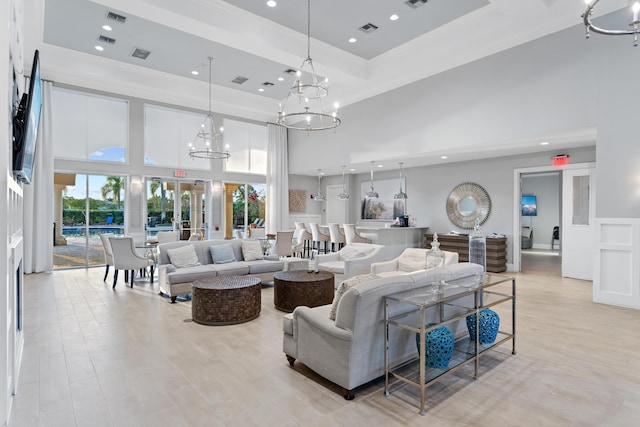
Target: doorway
85 206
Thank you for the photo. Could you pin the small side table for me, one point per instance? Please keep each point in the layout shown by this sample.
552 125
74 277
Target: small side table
294 288
225 300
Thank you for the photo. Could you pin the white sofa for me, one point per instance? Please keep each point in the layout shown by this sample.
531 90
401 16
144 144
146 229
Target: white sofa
352 260
350 350
411 259
176 281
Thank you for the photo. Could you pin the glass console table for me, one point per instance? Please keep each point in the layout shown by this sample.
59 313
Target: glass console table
449 304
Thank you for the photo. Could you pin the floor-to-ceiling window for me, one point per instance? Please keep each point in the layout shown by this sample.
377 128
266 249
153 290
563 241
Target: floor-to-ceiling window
245 209
86 205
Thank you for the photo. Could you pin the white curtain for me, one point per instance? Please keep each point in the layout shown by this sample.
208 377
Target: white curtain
277 180
38 197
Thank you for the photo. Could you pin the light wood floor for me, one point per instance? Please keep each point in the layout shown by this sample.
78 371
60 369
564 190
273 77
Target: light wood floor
97 357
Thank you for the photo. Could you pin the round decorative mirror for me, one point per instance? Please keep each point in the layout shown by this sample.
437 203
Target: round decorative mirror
466 202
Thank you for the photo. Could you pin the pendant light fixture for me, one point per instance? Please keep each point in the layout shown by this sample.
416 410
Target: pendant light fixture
401 195
208 141
344 195
319 197
372 194
305 97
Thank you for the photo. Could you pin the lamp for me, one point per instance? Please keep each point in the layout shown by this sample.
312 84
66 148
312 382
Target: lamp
401 194
344 195
319 197
635 23
372 194
308 92
208 141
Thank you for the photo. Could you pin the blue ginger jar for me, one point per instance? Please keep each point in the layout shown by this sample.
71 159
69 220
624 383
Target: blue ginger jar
439 345
489 325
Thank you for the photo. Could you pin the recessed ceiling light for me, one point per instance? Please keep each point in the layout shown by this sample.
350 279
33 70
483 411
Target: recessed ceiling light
353 40
99 48
352 170
260 90
444 157
544 143
280 79
226 145
106 27
380 166
394 17
195 73
271 3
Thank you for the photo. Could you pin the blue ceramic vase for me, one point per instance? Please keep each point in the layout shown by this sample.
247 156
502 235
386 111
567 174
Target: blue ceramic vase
439 344
489 325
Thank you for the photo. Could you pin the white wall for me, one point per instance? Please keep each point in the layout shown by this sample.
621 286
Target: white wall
547 189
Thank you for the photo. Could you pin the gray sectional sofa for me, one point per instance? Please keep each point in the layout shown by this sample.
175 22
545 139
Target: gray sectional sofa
176 281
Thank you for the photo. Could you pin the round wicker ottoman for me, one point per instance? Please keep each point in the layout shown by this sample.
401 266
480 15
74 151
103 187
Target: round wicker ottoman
225 300
294 288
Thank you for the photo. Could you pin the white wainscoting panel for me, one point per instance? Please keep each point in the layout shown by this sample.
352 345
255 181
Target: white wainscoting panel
616 278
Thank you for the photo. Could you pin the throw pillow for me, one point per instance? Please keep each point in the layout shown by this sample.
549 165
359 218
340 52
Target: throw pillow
184 256
222 254
343 288
252 250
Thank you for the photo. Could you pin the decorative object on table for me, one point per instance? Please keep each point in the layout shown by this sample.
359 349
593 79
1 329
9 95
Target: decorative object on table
435 260
297 201
208 141
466 202
439 346
307 92
489 324
634 24
478 246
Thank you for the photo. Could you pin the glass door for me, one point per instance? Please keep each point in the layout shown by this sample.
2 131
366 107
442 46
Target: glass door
160 206
245 210
85 206
192 209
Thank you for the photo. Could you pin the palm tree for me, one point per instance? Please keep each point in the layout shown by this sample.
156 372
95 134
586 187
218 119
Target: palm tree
113 186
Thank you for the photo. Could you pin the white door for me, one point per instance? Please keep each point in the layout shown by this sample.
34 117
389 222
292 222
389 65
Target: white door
578 213
336 209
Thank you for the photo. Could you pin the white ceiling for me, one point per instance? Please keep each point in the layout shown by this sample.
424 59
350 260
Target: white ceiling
248 38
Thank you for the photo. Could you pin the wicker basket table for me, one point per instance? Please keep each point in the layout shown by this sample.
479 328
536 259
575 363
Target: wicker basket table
294 288
225 300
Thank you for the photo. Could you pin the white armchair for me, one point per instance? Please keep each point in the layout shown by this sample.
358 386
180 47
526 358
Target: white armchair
412 259
350 261
108 254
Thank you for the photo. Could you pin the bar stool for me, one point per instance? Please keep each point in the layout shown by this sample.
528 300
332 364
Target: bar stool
337 237
306 236
319 237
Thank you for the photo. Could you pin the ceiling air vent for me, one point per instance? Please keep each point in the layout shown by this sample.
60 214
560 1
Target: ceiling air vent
267 84
116 17
368 28
140 53
290 71
239 80
415 3
108 40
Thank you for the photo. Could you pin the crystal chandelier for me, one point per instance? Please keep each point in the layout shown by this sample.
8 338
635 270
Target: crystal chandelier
634 24
307 113
208 141
319 197
344 195
372 194
401 194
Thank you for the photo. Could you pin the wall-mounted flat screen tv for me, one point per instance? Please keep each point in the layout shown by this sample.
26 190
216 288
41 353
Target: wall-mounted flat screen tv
25 126
529 206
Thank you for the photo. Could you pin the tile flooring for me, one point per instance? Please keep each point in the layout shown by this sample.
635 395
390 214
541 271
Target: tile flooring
98 357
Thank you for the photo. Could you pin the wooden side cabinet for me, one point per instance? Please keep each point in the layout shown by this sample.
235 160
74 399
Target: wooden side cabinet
496 249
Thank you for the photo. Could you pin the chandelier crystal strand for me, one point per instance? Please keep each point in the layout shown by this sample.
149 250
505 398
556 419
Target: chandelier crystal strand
590 27
208 141
344 195
309 113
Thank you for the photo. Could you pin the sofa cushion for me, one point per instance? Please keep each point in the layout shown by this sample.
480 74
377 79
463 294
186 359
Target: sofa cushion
344 287
252 250
350 252
412 261
263 266
184 275
333 266
184 256
239 268
222 254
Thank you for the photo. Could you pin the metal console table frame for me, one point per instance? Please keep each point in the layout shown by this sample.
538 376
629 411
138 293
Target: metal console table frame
404 309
